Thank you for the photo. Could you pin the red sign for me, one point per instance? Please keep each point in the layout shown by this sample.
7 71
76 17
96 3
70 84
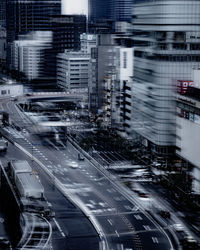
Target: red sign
182 86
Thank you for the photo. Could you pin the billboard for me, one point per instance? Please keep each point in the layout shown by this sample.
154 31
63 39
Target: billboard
182 86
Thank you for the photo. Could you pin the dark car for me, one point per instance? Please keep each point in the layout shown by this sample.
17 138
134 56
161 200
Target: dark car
4 243
80 157
143 195
165 214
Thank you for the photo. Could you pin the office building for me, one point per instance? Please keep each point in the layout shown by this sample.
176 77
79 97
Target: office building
99 10
166 51
66 35
117 10
31 53
103 15
72 70
66 32
89 44
27 16
122 10
2 47
114 72
188 125
3 13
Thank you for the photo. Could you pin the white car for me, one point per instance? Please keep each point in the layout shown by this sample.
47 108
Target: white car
179 227
73 164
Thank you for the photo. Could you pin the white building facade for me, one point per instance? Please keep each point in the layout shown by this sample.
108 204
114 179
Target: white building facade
188 126
166 50
72 70
7 90
29 53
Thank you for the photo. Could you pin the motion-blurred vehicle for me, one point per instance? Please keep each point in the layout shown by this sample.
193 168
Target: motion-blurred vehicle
165 214
143 195
3 145
73 165
178 227
80 157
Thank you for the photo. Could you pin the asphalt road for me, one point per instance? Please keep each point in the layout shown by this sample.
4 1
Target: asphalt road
71 228
123 223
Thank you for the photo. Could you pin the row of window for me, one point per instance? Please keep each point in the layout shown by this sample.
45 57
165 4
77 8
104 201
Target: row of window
170 58
4 92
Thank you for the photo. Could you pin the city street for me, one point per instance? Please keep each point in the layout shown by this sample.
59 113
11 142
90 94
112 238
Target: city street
123 224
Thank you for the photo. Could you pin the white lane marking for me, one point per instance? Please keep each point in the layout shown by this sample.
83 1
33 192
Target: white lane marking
59 228
117 233
155 239
138 217
146 227
110 221
127 207
135 208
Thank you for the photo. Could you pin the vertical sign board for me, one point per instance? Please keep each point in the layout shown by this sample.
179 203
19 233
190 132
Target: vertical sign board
182 86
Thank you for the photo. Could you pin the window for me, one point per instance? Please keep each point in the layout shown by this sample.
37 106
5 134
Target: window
3 92
124 59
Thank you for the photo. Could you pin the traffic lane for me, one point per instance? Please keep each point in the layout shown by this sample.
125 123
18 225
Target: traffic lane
101 199
99 187
147 225
76 230
147 237
121 223
93 201
70 178
69 221
154 240
134 222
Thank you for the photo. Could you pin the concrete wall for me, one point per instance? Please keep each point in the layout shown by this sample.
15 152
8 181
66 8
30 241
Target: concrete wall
188 138
11 90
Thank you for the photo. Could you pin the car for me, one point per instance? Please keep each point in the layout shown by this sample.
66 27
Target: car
143 195
73 164
80 157
178 227
4 243
156 164
189 243
24 131
165 214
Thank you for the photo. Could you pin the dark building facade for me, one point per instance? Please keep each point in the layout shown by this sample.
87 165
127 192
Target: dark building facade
99 9
3 13
116 10
66 35
122 10
29 15
66 31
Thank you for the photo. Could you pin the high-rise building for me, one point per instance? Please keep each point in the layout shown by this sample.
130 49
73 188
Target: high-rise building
116 10
27 16
99 9
66 32
72 70
166 50
2 13
66 36
122 10
2 47
30 54
89 46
